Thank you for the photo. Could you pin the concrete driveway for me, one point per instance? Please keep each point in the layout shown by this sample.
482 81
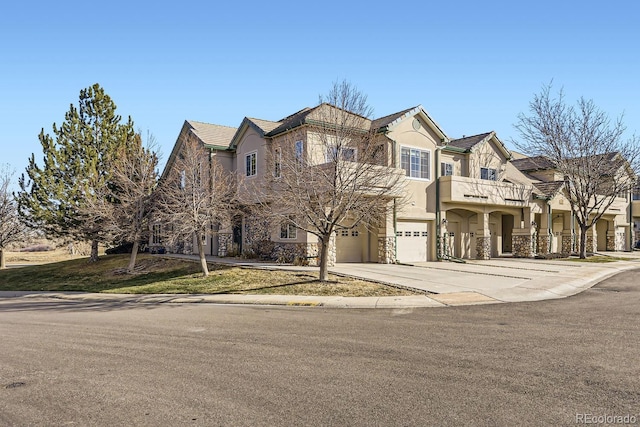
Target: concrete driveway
501 279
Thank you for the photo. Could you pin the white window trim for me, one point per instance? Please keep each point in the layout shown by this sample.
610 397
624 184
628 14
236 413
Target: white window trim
449 164
246 172
495 173
295 150
419 149
330 152
288 225
277 163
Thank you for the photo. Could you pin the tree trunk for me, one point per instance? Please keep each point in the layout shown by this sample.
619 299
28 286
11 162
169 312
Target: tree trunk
3 264
324 254
203 260
132 258
94 251
583 241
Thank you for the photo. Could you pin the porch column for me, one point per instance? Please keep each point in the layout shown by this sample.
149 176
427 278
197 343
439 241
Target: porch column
387 241
483 237
567 233
521 234
611 235
225 237
592 239
544 237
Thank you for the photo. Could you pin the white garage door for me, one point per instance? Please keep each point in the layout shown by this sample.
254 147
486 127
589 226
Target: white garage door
349 245
412 239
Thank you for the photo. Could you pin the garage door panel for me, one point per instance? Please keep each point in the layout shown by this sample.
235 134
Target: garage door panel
412 240
349 245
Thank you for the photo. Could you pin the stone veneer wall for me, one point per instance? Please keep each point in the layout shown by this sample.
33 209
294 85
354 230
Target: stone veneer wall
225 240
386 250
256 232
521 246
590 247
611 243
544 243
567 241
483 247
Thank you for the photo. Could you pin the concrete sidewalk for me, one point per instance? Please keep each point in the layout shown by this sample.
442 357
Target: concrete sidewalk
475 282
443 283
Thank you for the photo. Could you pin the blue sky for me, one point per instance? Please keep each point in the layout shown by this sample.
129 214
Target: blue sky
473 65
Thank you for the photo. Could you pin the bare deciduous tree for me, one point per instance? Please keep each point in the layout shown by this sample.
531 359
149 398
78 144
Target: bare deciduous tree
586 147
11 229
126 206
195 195
339 179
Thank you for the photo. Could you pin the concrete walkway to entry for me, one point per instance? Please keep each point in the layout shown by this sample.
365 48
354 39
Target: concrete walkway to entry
501 279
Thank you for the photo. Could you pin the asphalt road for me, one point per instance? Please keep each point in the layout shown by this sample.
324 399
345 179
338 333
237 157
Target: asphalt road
542 363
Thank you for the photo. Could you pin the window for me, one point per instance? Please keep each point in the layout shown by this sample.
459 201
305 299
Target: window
407 234
277 167
488 173
348 154
156 234
288 230
250 161
354 233
446 169
299 151
415 162
416 234
183 179
636 195
344 233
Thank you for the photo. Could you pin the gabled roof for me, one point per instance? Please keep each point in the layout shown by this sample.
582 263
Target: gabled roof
387 123
263 126
548 189
528 164
293 121
468 143
387 120
212 135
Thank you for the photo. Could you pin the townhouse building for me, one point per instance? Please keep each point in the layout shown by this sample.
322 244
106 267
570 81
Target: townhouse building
466 198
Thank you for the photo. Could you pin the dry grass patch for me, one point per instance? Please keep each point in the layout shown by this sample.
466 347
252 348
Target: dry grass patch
160 275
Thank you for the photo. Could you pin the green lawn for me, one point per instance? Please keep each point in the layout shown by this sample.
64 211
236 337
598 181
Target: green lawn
156 274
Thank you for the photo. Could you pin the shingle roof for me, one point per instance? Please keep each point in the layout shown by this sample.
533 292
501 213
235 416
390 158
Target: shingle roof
265 126
533 163
469 142
384 121
548 189
292 121
212 134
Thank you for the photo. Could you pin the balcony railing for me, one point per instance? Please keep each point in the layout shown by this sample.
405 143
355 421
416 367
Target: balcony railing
461 189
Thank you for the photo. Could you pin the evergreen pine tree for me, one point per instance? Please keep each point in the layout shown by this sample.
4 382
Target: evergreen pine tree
78 165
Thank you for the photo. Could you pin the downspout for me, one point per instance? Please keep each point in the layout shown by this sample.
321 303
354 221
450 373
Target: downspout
211 184
438 229
631 231
395 212
550 225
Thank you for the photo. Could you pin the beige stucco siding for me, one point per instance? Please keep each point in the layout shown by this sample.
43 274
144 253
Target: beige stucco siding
487 155
420 200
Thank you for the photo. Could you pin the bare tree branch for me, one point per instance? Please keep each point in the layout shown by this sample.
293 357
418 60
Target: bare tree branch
589 149
338 178
197 195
